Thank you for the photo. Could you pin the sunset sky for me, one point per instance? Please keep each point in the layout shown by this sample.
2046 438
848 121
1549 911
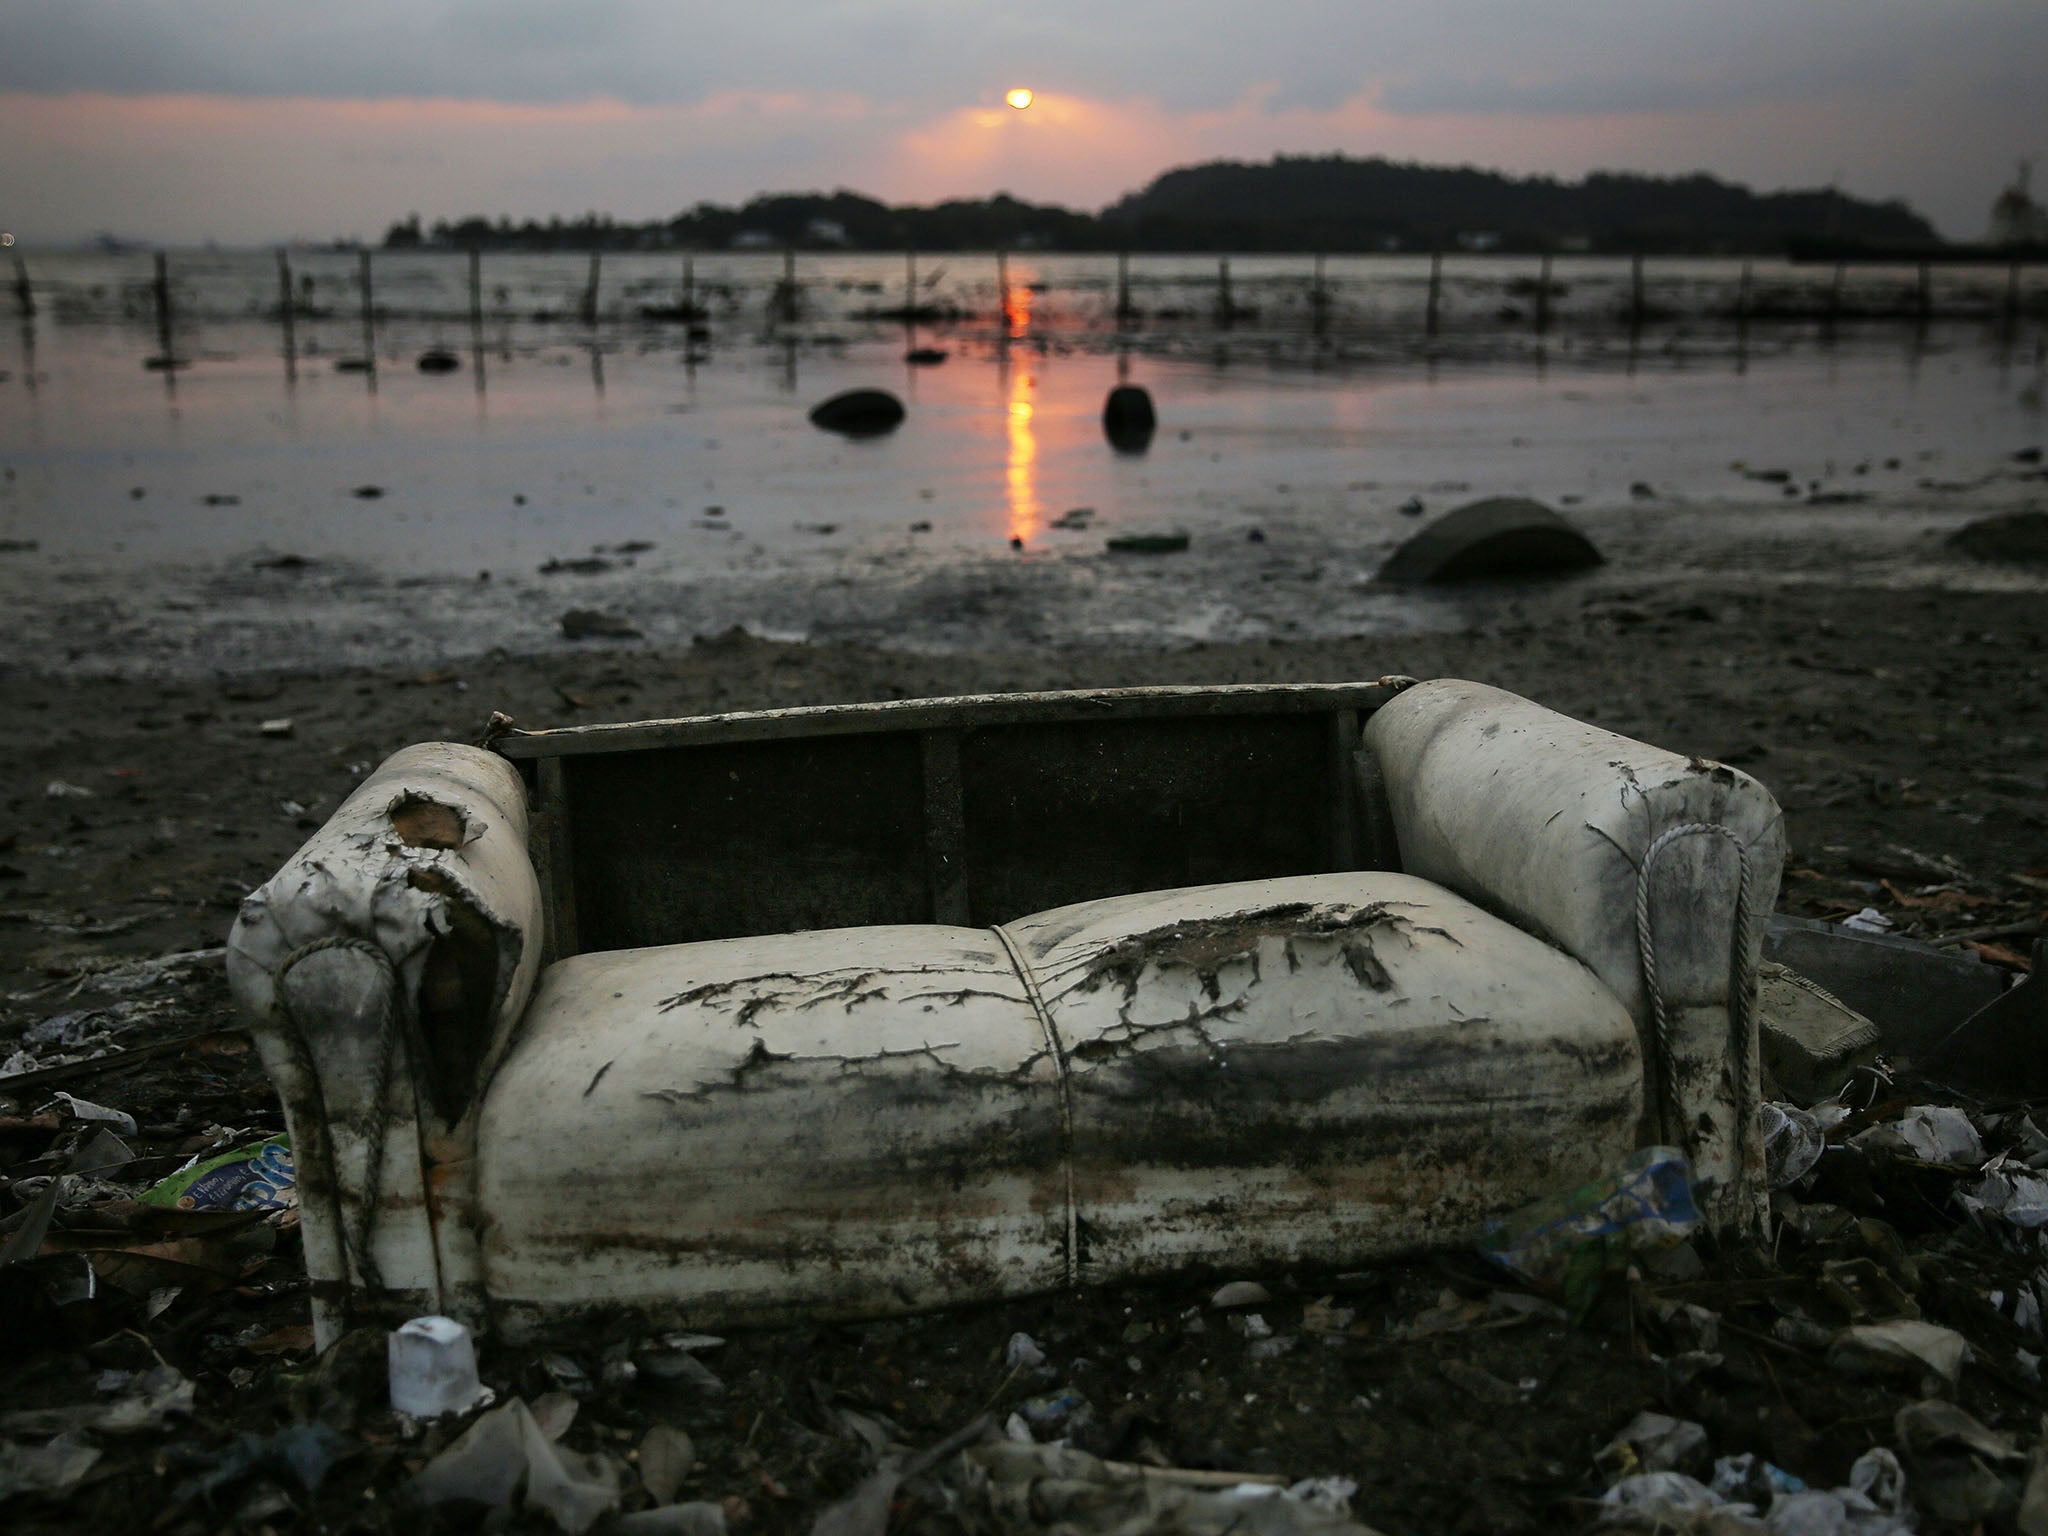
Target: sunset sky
252 121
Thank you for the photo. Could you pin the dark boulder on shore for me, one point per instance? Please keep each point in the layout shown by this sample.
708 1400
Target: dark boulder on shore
2018 537
1128 420
594 624
1501 536
859 413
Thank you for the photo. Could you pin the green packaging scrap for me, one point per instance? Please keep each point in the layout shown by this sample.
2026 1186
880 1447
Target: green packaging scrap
258 1177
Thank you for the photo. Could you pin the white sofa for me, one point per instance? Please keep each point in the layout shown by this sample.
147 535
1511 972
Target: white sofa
757 1017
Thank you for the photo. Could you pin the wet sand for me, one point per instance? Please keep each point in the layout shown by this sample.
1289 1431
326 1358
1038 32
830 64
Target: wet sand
1894 698
1902 714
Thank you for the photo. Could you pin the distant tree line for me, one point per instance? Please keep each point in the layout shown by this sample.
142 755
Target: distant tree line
1292 203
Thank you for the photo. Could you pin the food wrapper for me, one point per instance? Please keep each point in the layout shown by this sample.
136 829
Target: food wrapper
258 1177
1565 1244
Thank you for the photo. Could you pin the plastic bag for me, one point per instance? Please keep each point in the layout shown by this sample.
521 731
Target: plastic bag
1567 1243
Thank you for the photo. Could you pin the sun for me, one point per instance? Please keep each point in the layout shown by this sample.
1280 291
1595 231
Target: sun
1020 98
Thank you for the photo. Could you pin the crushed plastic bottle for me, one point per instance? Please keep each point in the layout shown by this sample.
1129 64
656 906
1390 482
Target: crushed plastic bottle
432 1361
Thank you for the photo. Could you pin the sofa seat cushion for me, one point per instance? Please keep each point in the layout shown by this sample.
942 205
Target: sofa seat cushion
863 1120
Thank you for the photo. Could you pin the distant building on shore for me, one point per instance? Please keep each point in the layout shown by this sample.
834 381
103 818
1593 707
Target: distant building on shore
2016 219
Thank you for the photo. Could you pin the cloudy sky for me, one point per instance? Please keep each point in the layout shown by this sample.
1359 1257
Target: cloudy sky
260 120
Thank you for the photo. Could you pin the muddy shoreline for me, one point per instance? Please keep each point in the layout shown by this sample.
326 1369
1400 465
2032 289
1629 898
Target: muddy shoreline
1893 719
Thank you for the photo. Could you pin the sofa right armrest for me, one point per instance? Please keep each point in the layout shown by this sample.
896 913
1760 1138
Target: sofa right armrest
1550 823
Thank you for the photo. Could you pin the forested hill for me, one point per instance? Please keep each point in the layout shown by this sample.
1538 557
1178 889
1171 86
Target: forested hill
1331 203
1337 203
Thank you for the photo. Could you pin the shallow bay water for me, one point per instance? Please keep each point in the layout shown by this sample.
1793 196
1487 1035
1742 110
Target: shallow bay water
1294 457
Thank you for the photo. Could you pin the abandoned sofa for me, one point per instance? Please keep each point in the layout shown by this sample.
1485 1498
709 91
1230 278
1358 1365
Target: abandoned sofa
866 1009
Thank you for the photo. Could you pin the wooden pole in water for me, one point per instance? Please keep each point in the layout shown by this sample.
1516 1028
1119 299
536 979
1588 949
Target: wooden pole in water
1436 283
590 289
910 282
476 288
2012 291
1319 299
1742 297
786 298
1123 285
284 311
1003 293
1225 311
163 308
369 316
25 300
1924 298
689 291
1835 294
1635 285
1543 296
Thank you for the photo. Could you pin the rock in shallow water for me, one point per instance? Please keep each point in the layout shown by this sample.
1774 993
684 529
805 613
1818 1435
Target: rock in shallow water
859 413
1501 536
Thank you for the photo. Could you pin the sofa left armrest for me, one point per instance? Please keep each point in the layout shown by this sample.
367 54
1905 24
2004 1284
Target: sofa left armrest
382 971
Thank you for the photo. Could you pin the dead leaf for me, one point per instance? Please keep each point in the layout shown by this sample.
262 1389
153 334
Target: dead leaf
294 1339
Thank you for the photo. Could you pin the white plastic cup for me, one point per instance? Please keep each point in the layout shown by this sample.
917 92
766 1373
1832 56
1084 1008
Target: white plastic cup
433 1368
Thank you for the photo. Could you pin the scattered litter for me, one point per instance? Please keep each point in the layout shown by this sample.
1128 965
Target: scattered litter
62 789
432 1361
149 1401
1656 1442
1872 1503
1933 1133
1047 1485
1869 920
1052 1410
85 1109
258 1177
504 1459
1793 1143
1664 1497
1566 1244
54 1467
275 728
1240 1293
1022 1353
2018 1199
1954 1461
1901 1347
1748 1478
301 1454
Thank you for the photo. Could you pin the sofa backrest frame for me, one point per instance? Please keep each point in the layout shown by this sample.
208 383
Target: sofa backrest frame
964 811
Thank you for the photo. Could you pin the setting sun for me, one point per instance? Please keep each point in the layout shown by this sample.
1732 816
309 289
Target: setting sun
1020 98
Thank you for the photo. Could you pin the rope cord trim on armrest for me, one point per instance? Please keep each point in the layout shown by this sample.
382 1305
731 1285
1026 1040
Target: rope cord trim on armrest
356 1242
1059 1062
1741 985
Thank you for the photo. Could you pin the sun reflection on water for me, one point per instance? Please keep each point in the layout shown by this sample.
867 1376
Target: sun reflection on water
1027 513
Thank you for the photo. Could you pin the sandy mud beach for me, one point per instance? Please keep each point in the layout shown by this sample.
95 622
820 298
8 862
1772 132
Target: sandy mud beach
1817 630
